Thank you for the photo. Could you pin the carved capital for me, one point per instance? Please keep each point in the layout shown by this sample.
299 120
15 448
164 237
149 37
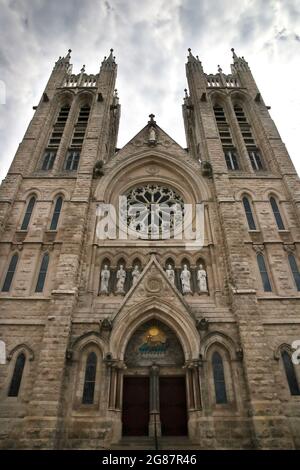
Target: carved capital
258 248
290 249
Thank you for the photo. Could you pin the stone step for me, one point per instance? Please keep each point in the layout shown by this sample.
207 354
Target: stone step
147 443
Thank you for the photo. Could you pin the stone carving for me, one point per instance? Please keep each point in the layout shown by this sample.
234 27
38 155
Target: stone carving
152 135
185 277
105 275
202 279
202 324
154 284
135 274
170 274
121 278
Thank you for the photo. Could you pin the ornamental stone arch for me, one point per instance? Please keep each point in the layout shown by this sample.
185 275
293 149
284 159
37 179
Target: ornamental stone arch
178 320
219 338
170 170
87 339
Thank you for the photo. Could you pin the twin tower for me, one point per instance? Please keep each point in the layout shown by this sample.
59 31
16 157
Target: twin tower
91 368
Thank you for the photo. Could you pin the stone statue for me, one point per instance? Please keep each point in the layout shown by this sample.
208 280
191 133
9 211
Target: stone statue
185 277
121 278
152 135
105 275
135 275
202 279
170 274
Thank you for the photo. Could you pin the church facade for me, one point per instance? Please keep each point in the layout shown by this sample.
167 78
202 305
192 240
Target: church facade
156 338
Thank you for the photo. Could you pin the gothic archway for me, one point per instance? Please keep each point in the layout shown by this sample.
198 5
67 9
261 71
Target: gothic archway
154 399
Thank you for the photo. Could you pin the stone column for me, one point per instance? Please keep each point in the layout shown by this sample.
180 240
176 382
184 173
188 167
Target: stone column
194 402
154 421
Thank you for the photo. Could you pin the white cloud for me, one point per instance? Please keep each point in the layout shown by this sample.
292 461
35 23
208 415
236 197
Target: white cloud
150 39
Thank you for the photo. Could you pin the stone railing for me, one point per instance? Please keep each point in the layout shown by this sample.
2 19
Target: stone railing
223 81
81 80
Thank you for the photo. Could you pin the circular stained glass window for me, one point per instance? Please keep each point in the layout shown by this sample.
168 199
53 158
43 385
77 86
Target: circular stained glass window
152 211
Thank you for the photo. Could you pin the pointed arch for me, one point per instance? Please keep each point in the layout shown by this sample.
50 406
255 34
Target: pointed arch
56 212
42 273
128 320
28 212
10 273
17 375
219 378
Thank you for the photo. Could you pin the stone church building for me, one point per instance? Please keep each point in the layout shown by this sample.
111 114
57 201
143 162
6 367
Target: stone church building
115 342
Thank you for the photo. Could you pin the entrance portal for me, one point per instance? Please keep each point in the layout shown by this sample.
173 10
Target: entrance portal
173 411
136 406
154 390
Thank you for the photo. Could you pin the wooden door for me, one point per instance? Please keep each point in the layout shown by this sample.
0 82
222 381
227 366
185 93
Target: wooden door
173 412
135 406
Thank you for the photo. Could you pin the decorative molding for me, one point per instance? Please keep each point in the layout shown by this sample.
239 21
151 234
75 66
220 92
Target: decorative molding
258 248
290 248
20 348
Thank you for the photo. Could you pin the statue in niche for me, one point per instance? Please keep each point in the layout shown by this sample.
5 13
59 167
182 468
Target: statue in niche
202 279
105 275
121 278
170 274
152 135
185 277
135 274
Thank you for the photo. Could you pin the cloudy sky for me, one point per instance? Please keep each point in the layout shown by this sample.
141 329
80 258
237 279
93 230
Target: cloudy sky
150 40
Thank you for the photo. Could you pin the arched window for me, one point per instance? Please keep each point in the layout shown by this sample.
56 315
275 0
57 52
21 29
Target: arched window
10 273
42 274
56 213
89 379
276 213
28 213
226 139
290 373
254 154
55 138
219 378
264 273
73 155
295 270
249 214
17 376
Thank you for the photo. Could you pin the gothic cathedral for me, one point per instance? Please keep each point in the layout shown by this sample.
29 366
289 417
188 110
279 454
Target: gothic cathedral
119 329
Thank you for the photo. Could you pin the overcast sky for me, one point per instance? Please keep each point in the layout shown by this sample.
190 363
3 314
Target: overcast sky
150 40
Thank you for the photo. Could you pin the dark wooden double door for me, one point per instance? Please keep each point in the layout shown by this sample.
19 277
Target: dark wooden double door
136 399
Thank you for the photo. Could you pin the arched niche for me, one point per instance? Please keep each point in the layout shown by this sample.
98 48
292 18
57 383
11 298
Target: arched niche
153 342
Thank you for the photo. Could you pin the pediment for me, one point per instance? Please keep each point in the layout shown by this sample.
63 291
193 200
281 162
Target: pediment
141 142
153 285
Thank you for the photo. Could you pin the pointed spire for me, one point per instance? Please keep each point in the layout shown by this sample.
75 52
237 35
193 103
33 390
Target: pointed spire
190 57
64 61
220 69
110 60
234 56
239 62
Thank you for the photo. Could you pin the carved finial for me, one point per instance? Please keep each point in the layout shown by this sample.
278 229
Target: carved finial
151 116
234 56
185 92
220 69
190 50
83 69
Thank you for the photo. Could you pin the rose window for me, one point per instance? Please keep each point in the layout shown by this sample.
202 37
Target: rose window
153 211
